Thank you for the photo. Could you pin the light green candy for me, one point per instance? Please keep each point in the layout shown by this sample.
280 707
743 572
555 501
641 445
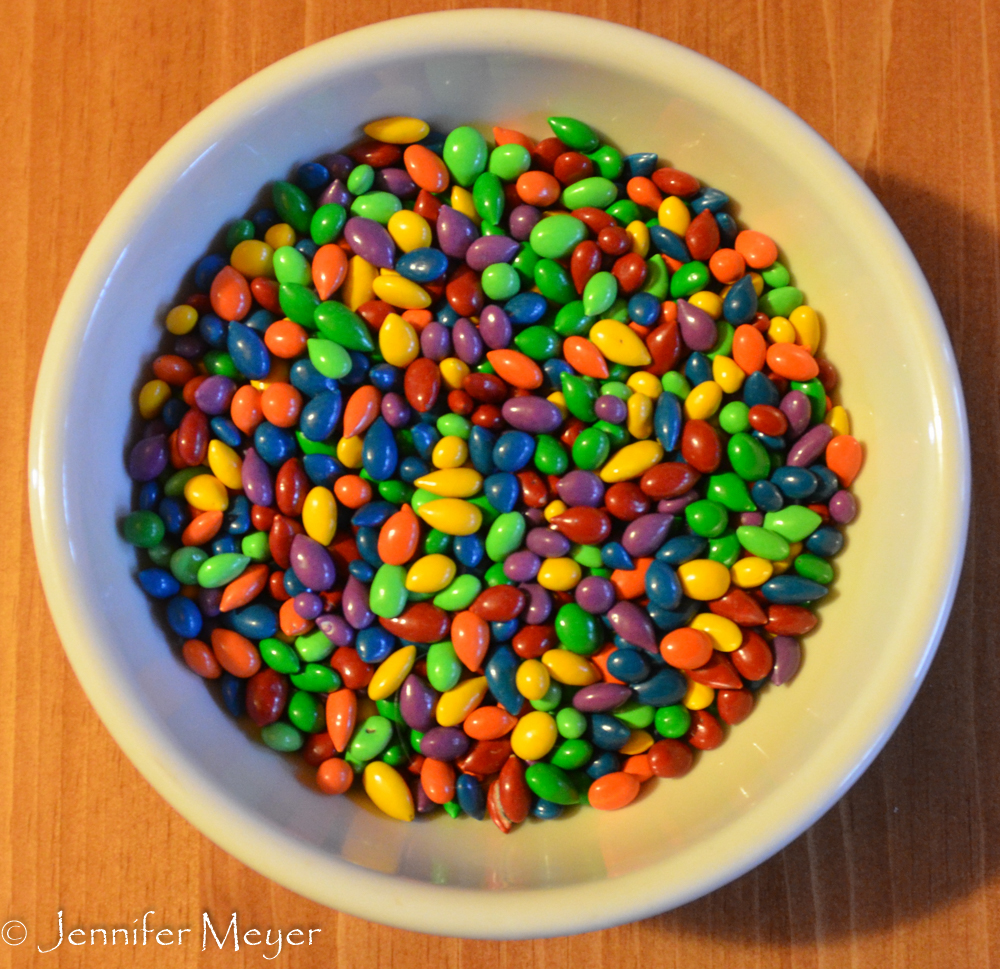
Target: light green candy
459 595
290 266
387 596
505 535
793 523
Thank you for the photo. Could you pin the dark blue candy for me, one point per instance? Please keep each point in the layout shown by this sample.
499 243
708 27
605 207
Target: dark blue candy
526 308
184 617
669 243
226 431
502 491
740 303
358 374
374 514
501 673
629 665
291 583
708 198
513 450
644 309
424 438
640 164
422 265
159 583
259 321
312 176
553 370
546 810
668 420
698 369
412 468
367 541
608 733
503 632
234 691
614 556
149 495
663 689
758 389
681 549
795 483
826 541
174 514
206 269
792 590
307 247
263 219
322 469
771 443
305 377
374 644
319 417
468 550
361 570
173 412
728 229
481 444
662 586
767 496
237 519
385 377
379 454
224 545
255 621
447 316
607 762
828 484
275 445
470 796
212 330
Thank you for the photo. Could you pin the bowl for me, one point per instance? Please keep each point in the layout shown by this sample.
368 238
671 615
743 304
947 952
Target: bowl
804 745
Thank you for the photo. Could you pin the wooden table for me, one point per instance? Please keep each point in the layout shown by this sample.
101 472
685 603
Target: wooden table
902 872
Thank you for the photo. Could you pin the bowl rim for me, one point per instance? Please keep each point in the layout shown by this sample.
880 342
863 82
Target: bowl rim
393 900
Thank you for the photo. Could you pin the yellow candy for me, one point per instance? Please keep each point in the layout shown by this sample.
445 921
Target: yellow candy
780 330
554 509
698 696
619 344
280 234
388 791
398 130
357 287
785 564
534 736
349 451
461 201
570 668
206 493
703 579
838 420
643 382
673 214
391 672
456 704
807 329
181 319
724 633
751 572
632 461
432 573
708 301
366 707
640 416
703 401
400 292
319 515
398 341
533 679
152 397
558 398
453 516
639 741
559 575
638 233
455 482
453 372
253 258
450 453
727 374
409 230
277 374
226 464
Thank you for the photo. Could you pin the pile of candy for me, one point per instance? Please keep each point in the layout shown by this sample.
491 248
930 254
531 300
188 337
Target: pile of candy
504 478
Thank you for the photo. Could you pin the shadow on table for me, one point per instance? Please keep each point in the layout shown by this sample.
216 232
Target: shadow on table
919 831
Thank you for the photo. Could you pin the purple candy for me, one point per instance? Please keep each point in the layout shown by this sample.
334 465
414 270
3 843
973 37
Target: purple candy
256 478
189 346
336 194
809 447
581 488
843 507
468 343
522 566
787 657
416 703
444 743
148 459
539 604
307 605
210 602
646 534
674 506
548 543
214 394
523 218
312 564
697 328
536 415
396 181
797 408
336 629
455 232
595 594
633 625
752 518
611 409
534 516
396 410
339 166
435 341
495 328
600 697
490 250
355 604
370 240
423 803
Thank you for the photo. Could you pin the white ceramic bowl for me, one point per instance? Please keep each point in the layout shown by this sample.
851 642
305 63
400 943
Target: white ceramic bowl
804 745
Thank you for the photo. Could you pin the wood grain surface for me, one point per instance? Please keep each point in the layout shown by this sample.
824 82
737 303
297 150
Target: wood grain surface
903 872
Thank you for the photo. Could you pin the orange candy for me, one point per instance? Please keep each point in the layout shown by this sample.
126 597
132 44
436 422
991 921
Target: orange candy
538 188
613 791
235 653
507 136
470 635
329 270
631 583
749 348
638 764
397 541
791 361
285 339
727 265
245 588
757 249
585 358
642 191
686 648
334 776
245 409
200 658
361 410
488 723
230 294
437 778
352 491
291 623
341 715
426 168
844 457
173 370
202 528
281 404
517 369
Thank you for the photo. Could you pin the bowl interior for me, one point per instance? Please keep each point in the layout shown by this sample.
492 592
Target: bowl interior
803 745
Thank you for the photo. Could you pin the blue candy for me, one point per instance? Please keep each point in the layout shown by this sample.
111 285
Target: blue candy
255 621
470 796
322 469
501 673
275 445
319 417
361 570
628 665
367 541
513 450
305 377
481 444
758 389
663 689
379 454
682 548
248 352
698 369
662 586
795 483
206 269
526 308
184 617
234 693
422 265
502 491
740 304
374 644
608 733
606 762
792 590
226 431
826 541
668 420
159 583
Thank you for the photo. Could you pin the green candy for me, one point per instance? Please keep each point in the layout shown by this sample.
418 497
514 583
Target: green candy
500 281
387 596
625 211
551 456
240 231
571 320
360 180
174 486
256 546
329 358
505 535
581 395
591 449
689 279
748 457
220 570
595 192
185 562
793 523
616 433
509 162
444 669
143 529
453 809
616 388
313 647
460 594
776 276
608 160
293 206
574 133
549 782
734 417
305 711
317 678
290 266
573 754
673 721
398 492
490 228
578 630
813 389
730 490
525 262
465 153
490 513
454 425
395 756
554 282
436 542
725 548
415 737
391 711
282 737
488 198
327 223
298 303
780 302
378 206
339 324
762 543
637 715
538 342
724 344
570 723
218 363
495 575
676 383
161 554
552 699
599 293
657 277
370 739
589 556
557 236
485 367
813 567
706 518
279 656
421 497
314 447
